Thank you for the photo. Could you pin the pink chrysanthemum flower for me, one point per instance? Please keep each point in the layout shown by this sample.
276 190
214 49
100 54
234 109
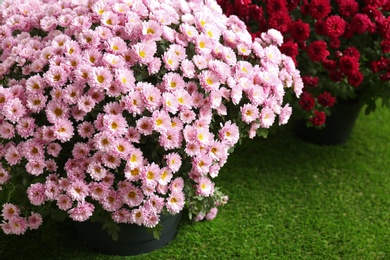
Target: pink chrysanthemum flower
173 161
18 225
9 210
135 158
100 78
4 175
25 127
98 190
34 221
205 187
13 110
36 194
145 125
121 216
267 117
229 133
82 211
132 196
63 130
53 149
175 202
249 113
12 155
170 103
78 190
151 30
52 190
112 201
170 139
35 167
132 174
165 177
145 51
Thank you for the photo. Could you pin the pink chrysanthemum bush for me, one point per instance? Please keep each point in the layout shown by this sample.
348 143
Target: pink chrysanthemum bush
120 111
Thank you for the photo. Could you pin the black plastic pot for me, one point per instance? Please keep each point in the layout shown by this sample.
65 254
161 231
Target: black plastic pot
133 239
338 126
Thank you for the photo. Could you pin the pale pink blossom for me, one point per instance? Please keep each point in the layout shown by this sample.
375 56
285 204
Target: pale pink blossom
175 202
13 110
34 221
36 194
82 211
18 225
9 210
132 196
77 190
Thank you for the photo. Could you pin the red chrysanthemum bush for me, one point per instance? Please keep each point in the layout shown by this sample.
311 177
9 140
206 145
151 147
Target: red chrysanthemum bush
341 48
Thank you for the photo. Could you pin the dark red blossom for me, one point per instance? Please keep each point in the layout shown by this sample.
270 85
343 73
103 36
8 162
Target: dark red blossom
320 27
319 9
379 65
352 52
326 99
348 8
385 76
384 27
290 49
310 81
334 26
334 42
348 65
329 64
241 8
335 75
372 12
279 21
299 31
361 23
318 51
319 118
385 44
355 79
276 6
307 101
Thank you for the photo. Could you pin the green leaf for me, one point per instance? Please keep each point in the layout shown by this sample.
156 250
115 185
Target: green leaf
112 229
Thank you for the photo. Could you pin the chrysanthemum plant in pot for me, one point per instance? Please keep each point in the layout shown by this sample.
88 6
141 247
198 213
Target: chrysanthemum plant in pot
341 48
121 111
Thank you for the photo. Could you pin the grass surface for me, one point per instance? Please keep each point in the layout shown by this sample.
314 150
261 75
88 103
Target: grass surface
288 200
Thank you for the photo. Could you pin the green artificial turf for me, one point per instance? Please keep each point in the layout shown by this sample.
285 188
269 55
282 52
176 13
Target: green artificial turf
288 200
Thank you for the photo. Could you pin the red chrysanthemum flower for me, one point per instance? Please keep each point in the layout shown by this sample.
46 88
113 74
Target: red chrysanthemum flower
384 27
299 31
355 79
352 52
379 65
348 8
318 51
307 101
276 6
348 65
326 99
290 48
329 64
319 118
335 75
310 82
279 21
385 44
372 12
334 26
319 9
361 23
